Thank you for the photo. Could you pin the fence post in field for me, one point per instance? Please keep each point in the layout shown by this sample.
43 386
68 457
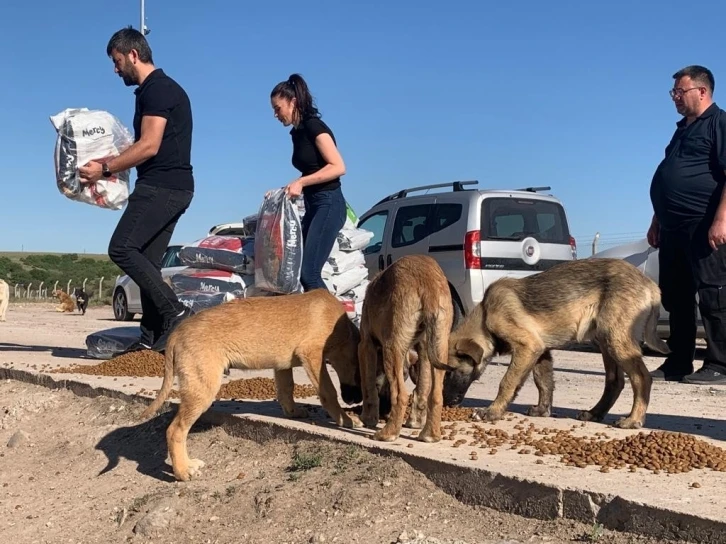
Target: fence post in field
55 287
84 283
27 293
594 243
40 289
68 287
16 290
100 288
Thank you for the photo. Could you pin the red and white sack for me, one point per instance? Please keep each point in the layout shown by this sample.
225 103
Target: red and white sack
83 136
230 253
210 281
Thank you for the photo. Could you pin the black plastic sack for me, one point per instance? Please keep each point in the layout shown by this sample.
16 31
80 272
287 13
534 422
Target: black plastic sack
209 281
199 301
108 342
278 245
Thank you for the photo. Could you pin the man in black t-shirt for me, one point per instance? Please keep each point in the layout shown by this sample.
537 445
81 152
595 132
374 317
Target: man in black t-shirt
689 228
164 185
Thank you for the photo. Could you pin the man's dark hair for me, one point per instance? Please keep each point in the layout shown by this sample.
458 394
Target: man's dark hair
698 74
129 38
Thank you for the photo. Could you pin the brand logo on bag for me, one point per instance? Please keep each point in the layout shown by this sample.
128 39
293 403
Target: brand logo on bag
93 131
292 240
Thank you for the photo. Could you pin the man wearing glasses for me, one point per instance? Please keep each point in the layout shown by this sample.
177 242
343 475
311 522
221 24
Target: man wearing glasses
689 228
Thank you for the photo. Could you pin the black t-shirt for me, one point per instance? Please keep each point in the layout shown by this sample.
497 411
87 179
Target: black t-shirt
687 185
305 154
160 95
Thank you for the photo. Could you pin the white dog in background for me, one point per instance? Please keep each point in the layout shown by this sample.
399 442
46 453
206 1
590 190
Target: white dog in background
4 298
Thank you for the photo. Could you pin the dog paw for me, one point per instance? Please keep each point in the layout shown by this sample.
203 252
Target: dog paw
351 421
193 470
412 423
627 423
297 413
539 411
587 415
383 436
429 438
485 414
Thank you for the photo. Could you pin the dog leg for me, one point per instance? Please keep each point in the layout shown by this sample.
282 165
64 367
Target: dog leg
614 383
318 374
197 395
419 406
368 359
523 359
393 361
544 380
432 430
641 382
285 388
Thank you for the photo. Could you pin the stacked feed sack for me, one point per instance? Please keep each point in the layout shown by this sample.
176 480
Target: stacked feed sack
220 268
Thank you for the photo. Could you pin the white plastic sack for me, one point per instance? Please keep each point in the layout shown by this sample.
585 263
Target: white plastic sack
353 239
342 283
340 262
85 135
357 293
278 245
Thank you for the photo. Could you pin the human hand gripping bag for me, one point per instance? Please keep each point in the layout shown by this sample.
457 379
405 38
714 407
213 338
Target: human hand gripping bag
278 245
85 135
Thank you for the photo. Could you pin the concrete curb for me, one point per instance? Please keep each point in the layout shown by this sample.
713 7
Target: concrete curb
474 486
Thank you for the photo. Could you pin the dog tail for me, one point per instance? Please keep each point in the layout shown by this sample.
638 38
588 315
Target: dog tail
433 321
166 384
651 324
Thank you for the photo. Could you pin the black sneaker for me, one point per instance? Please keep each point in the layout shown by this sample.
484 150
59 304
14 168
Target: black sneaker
706 376
659 375
160 344
136 346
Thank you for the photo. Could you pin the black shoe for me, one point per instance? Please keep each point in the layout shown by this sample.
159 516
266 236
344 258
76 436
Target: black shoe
658 375
136 346
706 376
160 344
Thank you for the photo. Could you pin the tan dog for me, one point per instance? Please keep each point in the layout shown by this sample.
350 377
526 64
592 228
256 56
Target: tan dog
407 306
607 301
278 333
66 302
4 299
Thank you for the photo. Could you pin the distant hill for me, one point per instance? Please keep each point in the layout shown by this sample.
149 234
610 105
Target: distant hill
25 268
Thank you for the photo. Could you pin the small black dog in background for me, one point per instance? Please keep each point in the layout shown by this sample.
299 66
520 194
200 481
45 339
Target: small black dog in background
81 299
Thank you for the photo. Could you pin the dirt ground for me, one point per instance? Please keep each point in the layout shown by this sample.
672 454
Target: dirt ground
83 470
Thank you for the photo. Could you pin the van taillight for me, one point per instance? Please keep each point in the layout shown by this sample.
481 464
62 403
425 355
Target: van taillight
573 246
472 251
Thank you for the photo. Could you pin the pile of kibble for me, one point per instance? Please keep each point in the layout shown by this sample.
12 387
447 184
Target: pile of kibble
148 363
657 451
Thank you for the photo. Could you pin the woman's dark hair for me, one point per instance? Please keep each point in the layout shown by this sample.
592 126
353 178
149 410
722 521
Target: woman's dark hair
295 87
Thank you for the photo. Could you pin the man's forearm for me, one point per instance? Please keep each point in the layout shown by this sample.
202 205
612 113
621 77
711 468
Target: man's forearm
133 156
721 210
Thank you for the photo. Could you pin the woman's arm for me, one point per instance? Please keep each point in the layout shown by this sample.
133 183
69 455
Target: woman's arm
334 167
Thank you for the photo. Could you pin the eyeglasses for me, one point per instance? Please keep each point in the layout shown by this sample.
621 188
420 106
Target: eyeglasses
680 92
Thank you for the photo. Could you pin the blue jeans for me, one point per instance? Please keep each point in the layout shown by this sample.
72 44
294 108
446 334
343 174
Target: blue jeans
325 214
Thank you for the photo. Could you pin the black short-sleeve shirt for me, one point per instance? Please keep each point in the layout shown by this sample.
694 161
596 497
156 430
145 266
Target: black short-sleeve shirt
160 95
305 154
686 187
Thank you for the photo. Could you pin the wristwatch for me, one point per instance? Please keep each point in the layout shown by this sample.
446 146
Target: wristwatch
106 172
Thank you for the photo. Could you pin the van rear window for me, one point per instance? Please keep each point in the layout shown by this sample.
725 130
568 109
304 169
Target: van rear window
516 219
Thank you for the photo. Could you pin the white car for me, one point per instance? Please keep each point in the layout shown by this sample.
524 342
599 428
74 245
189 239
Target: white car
645 258
126 295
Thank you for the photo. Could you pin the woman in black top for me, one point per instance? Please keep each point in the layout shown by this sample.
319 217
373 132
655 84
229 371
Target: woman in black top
316 156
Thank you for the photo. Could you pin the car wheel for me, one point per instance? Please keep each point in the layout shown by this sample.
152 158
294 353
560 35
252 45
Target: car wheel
121 307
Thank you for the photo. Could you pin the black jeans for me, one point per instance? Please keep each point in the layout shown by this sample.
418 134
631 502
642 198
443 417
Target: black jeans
138 245
689 266
324 217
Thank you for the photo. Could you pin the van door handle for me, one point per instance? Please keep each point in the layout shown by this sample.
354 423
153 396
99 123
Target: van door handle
380 262
389 260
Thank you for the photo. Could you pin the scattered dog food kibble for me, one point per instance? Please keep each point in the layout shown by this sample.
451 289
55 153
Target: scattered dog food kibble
657 451
148 363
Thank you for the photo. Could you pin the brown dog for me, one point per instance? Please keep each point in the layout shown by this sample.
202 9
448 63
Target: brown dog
607 301
407 305
66 302
277 333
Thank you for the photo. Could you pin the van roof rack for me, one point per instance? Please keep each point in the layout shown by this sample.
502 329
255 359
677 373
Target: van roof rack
535 189
455 185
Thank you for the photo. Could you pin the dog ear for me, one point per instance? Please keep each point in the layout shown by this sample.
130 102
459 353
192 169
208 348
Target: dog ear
472 349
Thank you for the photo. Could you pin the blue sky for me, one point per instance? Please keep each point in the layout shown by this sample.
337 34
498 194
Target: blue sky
569 94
